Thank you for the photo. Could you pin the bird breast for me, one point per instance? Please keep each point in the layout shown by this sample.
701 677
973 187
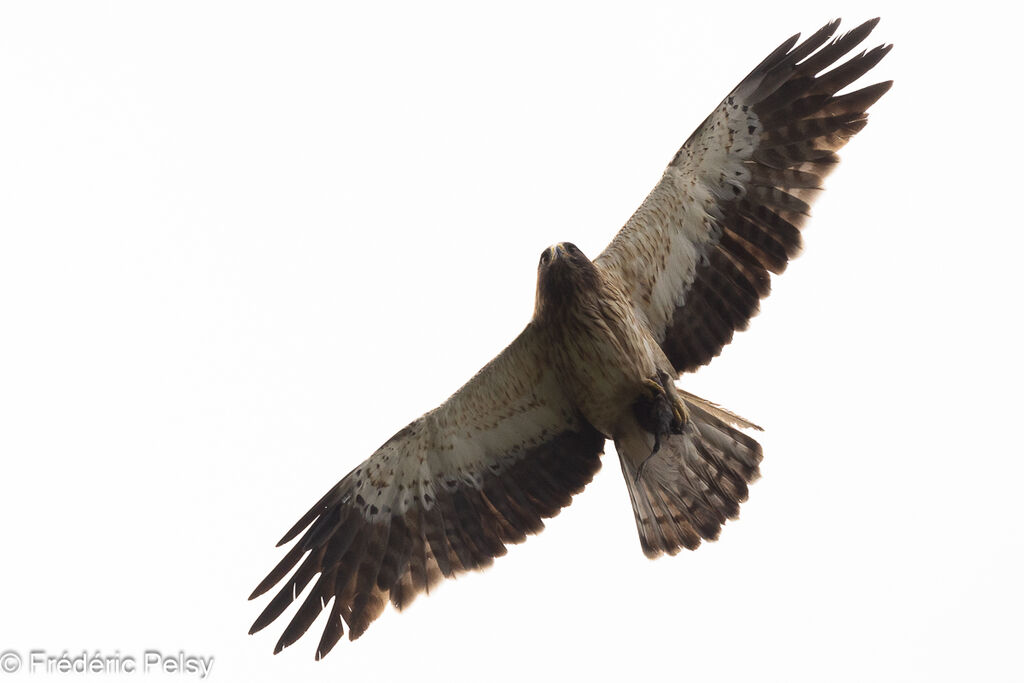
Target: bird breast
602 352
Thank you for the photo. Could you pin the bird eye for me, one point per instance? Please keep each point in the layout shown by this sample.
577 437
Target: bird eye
572 248
545 256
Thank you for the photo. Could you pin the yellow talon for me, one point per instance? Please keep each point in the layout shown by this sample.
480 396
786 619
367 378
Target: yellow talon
654 386
681 413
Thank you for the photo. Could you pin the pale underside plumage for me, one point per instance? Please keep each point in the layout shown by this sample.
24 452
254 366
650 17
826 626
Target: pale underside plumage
695 256
448 492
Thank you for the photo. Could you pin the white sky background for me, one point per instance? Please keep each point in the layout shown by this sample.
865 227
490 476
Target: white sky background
241 244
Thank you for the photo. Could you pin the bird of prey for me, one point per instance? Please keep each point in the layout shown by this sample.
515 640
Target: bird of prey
598 361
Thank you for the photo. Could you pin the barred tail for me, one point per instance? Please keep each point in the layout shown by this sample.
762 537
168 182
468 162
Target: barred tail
694 482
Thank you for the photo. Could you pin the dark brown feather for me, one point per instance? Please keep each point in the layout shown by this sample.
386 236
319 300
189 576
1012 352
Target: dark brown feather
693 484
839 47
303 575
803 122
334 629
307 613
363 564
396 558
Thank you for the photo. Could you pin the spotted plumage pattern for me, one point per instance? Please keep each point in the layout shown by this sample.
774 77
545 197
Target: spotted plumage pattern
695 258
441 497
451 490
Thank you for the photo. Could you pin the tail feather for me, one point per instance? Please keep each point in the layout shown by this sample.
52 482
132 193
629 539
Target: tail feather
696 480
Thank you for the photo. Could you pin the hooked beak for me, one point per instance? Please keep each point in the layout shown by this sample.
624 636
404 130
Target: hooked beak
557 251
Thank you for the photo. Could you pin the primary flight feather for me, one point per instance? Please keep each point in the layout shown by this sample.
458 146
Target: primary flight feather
598 361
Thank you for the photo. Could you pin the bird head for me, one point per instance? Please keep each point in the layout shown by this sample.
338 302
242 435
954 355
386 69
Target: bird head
563 275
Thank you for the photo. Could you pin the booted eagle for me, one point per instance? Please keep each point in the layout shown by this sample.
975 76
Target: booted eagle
598 361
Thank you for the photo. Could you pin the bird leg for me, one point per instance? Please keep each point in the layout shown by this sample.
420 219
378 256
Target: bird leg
660 392
660 411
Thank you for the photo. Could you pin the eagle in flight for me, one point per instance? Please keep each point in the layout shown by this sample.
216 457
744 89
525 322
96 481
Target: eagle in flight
598 361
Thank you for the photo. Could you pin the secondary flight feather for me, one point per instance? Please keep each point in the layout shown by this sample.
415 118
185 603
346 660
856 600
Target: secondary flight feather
598 361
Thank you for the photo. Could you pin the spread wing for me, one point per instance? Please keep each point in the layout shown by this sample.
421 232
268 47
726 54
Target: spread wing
442 496
695 256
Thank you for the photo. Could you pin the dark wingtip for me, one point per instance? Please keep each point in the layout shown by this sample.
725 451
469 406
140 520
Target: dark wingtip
261 623
264 586
258 625
831 25
863 30
880 89
292 533
358 626
269 582
285 640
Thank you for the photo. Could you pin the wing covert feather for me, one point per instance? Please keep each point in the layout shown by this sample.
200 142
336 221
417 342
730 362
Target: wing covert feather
443 496
695 258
